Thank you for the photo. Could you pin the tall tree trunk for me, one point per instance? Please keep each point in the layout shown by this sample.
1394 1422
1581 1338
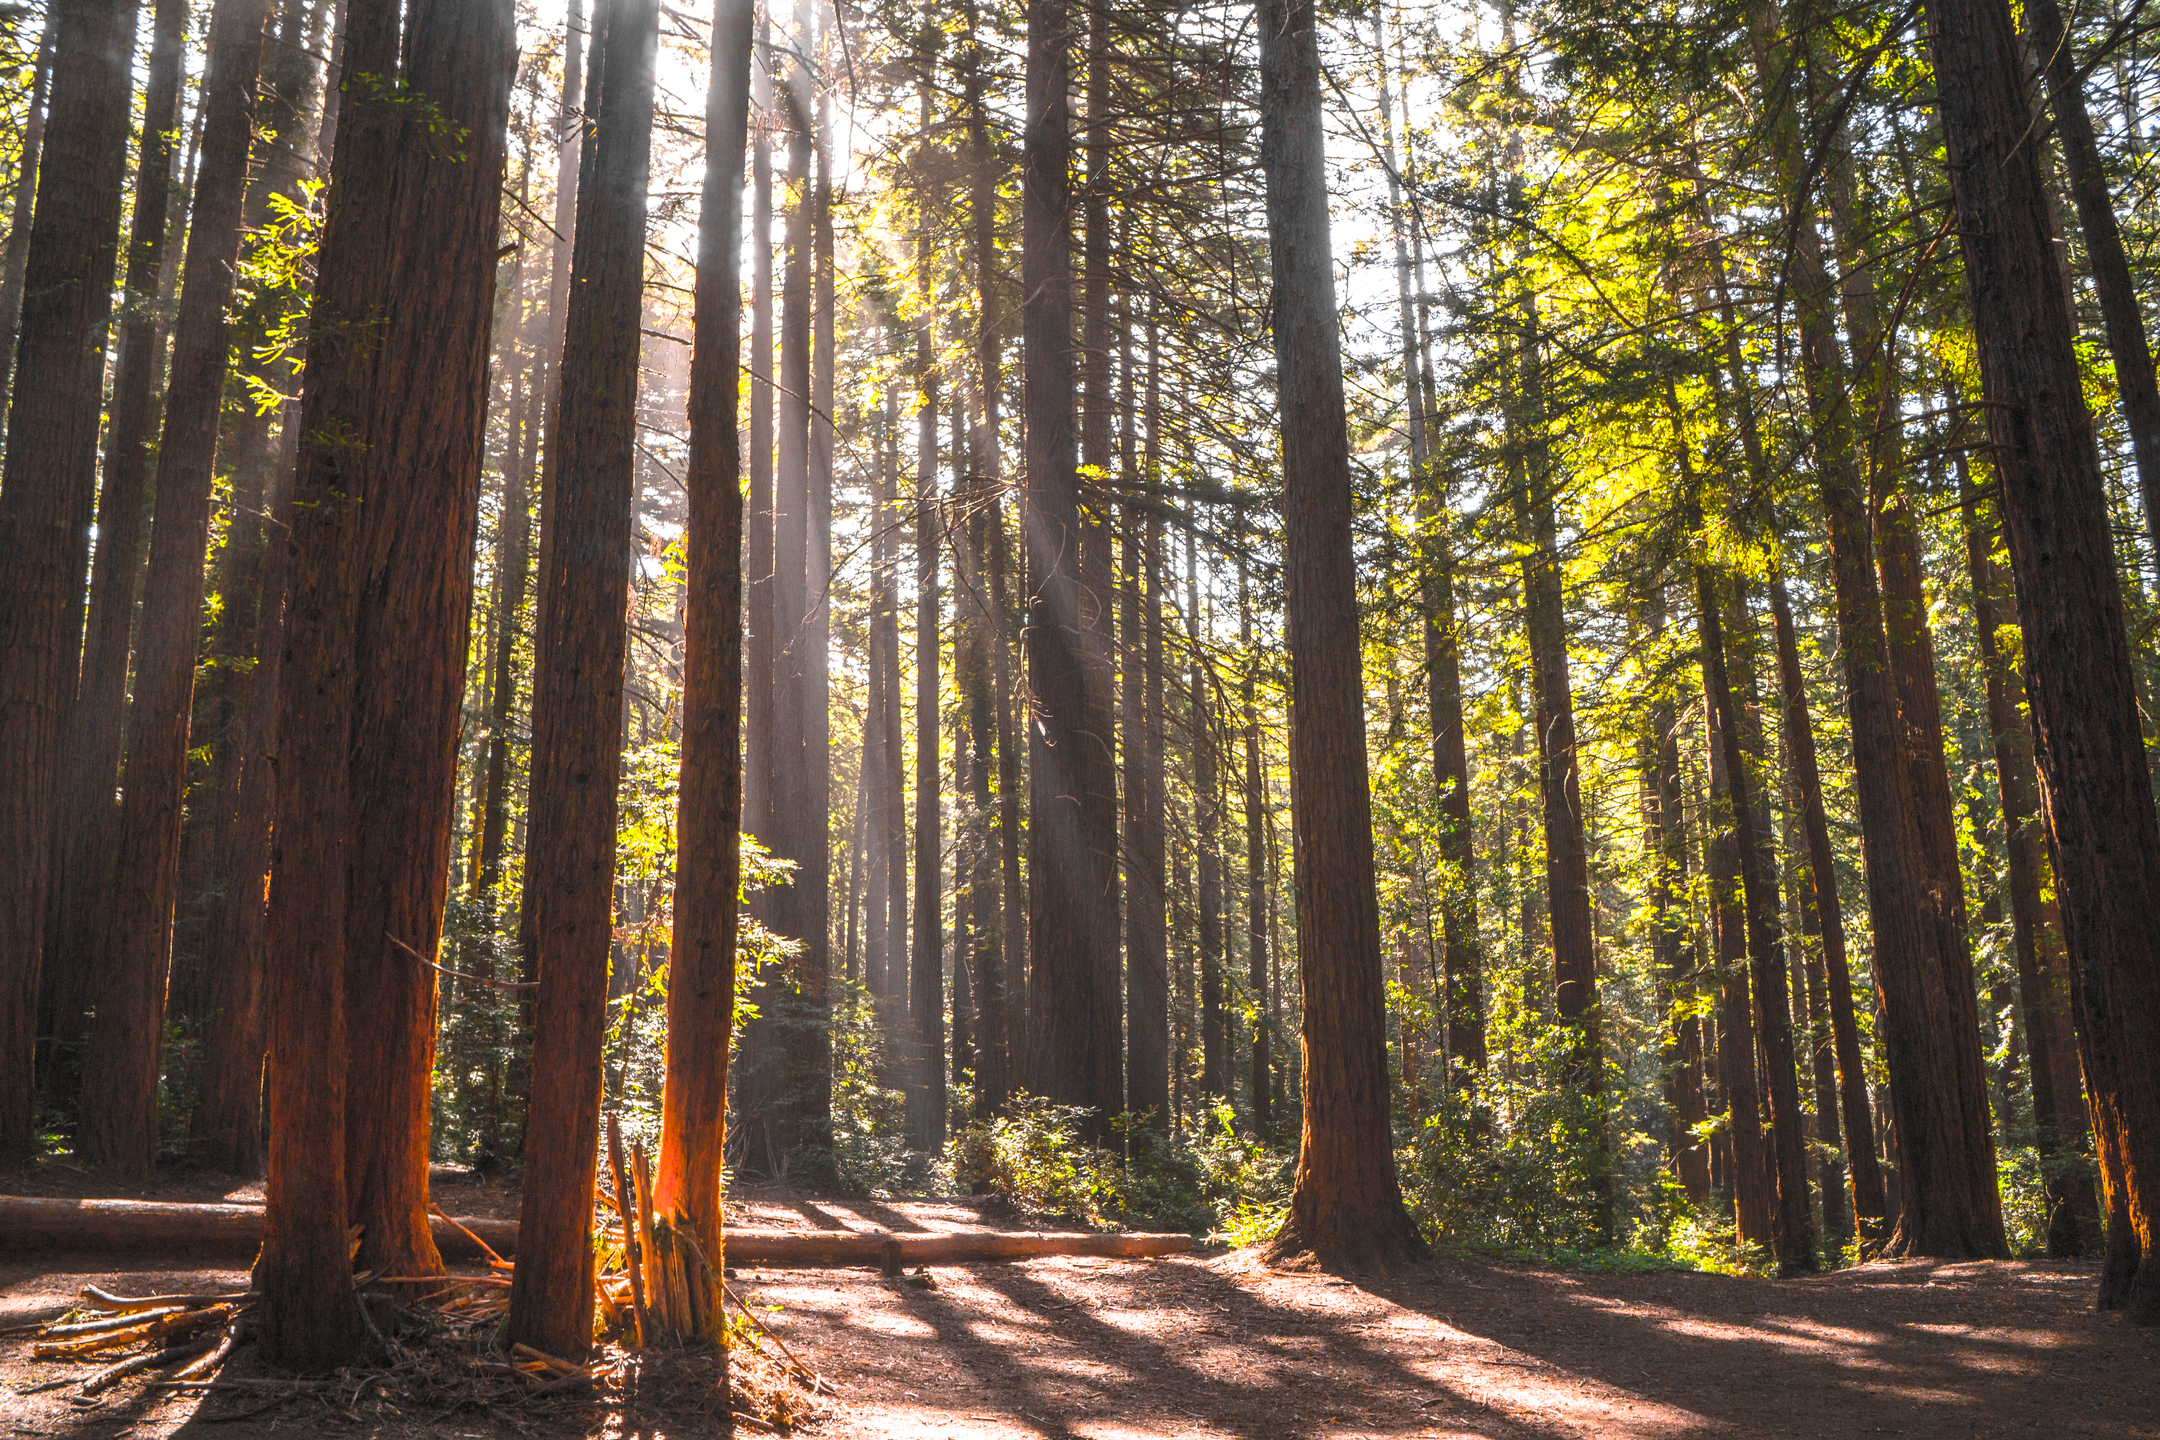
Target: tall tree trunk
1073 1016
1820 898
118 1129
1567 858
708 854
577 702
414 610
760 618
47 488
1346 1206
1792 1227
1207 840
997 959
1680 1043
1147 945
926 980
310 1316
1256 893
2043 973
814 1041
1748 1175
86 824
2103 836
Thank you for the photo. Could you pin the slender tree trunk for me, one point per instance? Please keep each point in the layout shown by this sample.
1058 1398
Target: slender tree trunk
310 1318
86 825
1256 895
1346 1205
46 492
118 1129
1665 837
577 704
1147 947
926 981
2044 980
1820 899
708 856
814 1041
761 619
1207 839
1750 1175
1567 862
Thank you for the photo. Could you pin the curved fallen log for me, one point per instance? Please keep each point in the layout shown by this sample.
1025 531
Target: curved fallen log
124 1226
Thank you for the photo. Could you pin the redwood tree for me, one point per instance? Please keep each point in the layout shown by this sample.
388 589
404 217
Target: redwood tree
708 853
1346 1208
577 703
2095 784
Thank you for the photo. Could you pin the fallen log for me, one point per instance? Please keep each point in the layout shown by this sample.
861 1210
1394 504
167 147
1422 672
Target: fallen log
135 1226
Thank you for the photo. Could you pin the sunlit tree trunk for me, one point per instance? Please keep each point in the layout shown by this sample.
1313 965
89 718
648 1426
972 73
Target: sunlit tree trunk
1147 947
708 856
1680 1042
577 701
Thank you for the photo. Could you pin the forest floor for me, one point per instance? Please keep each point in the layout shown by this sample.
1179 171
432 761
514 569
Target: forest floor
1213 1345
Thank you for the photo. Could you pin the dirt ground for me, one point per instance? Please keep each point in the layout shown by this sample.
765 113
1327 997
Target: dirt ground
1210 1345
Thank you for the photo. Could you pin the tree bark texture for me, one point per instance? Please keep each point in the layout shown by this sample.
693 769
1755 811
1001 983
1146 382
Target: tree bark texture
2095 789
1346 1206
577 704
708 864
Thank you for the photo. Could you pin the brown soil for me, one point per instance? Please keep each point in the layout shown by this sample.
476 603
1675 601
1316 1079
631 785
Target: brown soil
1215 1346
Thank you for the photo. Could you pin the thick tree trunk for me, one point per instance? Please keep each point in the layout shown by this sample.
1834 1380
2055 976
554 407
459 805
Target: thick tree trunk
86 825
2103 836
46 492
577 702
310 1318
1073 1018
708 854
414 612
118 1127
1346 1206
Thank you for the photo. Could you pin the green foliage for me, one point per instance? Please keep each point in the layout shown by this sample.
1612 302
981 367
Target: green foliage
1203 1181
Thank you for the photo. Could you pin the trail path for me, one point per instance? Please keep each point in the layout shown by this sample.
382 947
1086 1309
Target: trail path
1212 1346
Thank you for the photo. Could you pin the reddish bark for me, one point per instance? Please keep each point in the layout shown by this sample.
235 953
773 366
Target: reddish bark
1346 1206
